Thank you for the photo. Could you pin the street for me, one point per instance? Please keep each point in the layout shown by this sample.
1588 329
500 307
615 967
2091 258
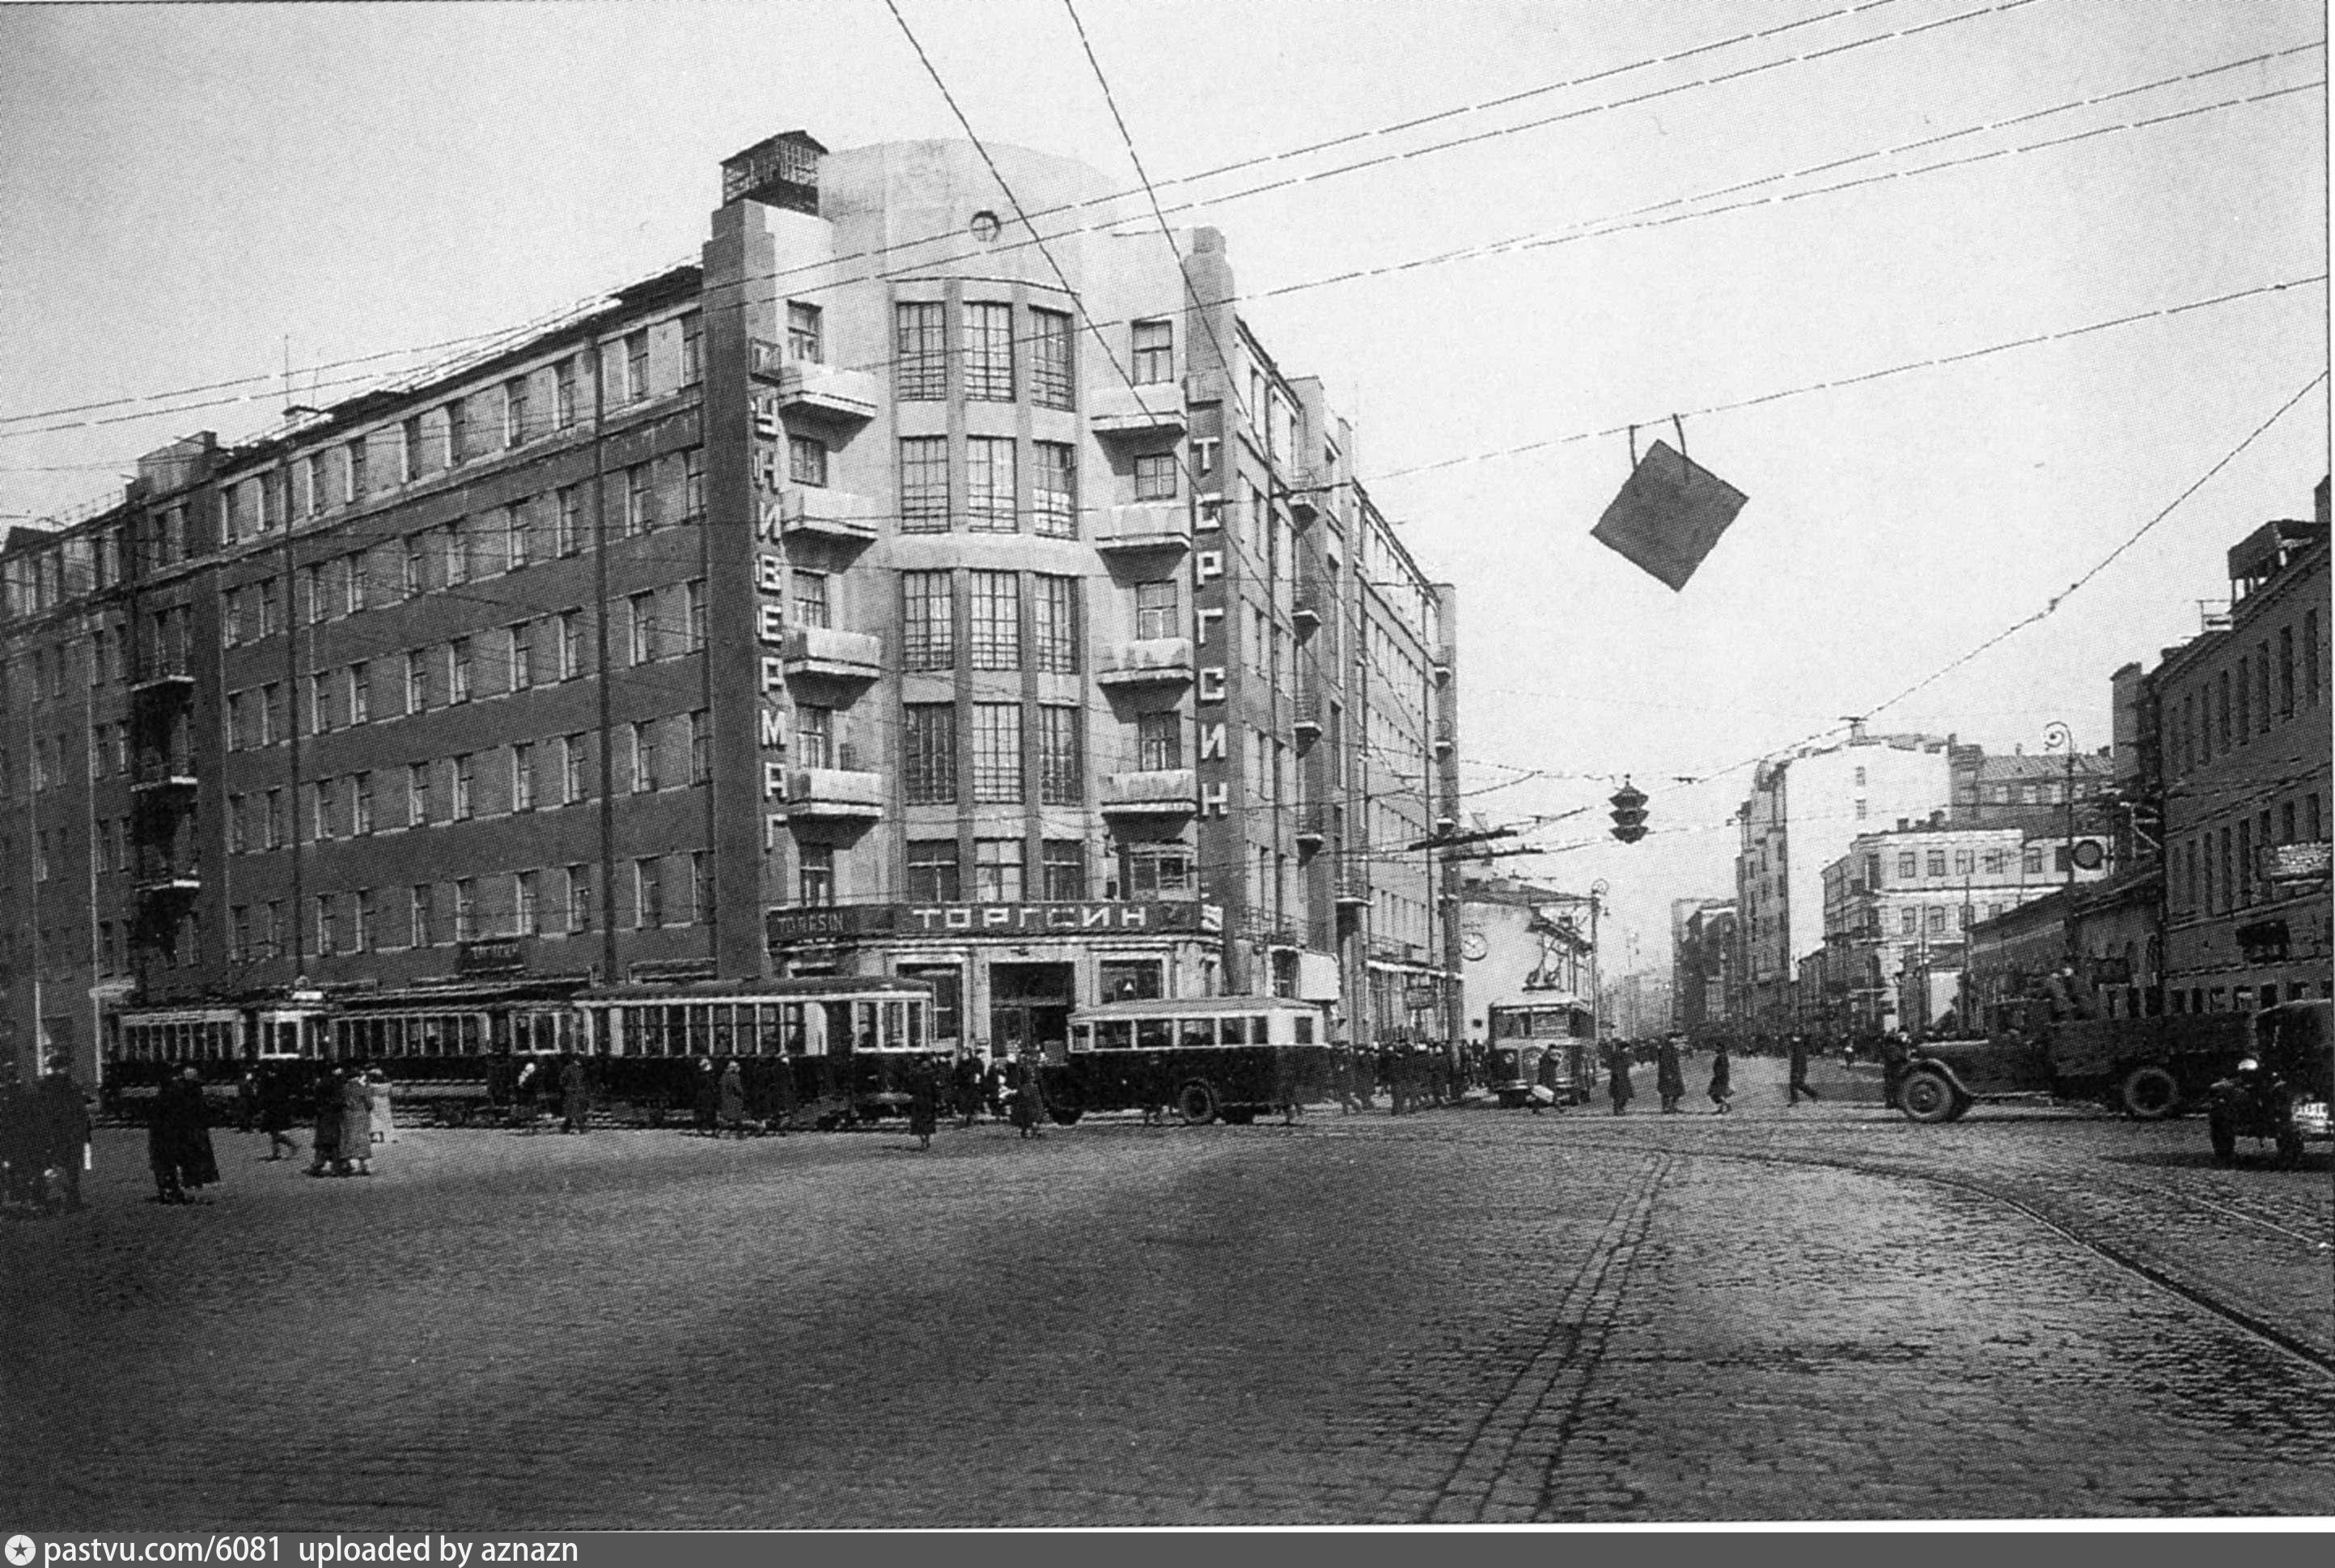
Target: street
1465 1315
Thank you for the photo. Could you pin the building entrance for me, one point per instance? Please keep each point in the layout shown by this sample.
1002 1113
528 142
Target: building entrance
1030 1008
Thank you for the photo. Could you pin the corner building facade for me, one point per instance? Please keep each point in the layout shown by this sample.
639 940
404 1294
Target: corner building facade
861 600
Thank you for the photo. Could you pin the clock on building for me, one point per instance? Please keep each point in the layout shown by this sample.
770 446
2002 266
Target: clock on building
1473 945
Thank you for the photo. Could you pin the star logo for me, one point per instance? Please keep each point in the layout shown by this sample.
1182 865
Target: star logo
20 1550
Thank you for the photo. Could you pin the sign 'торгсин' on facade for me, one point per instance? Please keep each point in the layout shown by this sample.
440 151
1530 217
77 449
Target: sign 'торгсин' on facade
823 923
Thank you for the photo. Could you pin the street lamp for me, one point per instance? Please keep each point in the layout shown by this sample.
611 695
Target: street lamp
2058 736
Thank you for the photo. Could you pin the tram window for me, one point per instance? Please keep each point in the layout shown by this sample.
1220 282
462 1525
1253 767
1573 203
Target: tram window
1082 1037
1305 1028
1115 1034
804 1035
895 1026
1152 1034
701 1030
863 1037
1235 1031
915 1026
471 1032
724 1037
1195 1033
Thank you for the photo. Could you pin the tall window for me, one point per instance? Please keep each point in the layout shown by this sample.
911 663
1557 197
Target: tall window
458 430
324 809
640 623
413 576
1050 358
563 388
568 532
1065 870
699 625
411 440
417 795
1054 490
701 886
692 485
640 500
1155 609
928 753
932 871
995 624
1059 781
814 735
421 915
320 703
644 755
458 669
1159 742
361 805
807 462
692 348
515 430
1155 476
648 893
527 915
988 352
923 484
989 484
920 352
997 866
522 780
465 775
997 753
811 608
327 925
520 656
1154 344
571 769
515 535
636 365
815 873
579 897
571 645
806 337
1053 624
927 624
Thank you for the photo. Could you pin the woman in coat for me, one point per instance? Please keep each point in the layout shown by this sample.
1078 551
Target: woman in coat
356 1126
734 1099
1722 1078
709 1095
1617 1077
179 1141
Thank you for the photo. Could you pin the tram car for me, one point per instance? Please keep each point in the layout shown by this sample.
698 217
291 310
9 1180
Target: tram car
1205 1057
220 1042
1543 1047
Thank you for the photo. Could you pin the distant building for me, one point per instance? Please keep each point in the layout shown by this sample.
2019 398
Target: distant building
1521 942
1702 961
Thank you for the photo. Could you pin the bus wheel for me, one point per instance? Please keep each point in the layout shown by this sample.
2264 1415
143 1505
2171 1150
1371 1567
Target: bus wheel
2149 1094
1196 1104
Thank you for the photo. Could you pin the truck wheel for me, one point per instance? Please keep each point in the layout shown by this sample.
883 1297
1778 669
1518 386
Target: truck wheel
2289 1147
2224 1137
2149 1094
1926 1096
1195 1102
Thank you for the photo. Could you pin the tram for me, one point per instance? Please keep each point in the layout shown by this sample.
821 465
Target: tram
1542 1045
1208 1057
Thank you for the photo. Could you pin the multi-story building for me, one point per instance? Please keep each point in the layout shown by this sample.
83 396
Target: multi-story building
1903 901
870 597
2240 731
1521 942
1702 950
1800 817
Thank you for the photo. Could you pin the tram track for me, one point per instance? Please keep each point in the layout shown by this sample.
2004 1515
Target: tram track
2119 1255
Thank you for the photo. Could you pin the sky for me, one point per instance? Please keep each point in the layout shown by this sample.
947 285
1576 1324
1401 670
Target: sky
193 195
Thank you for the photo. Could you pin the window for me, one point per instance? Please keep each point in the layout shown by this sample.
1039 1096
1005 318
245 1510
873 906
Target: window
421 915
1060 778
1054 490
327 925
238 835
989 484
1860 778
519 659
1907 863
693 607
814 735
458 669
579 898
648 893
466 909
807 462
640 628
1154 344
923 484
268 621
1050 358
272 723
320 703
323 809
1064 869
356 466
997 753
453 555
932 867
1909 922
692 485
360 805
815 873
2311 657
810 598
522 780
692 349
1053 630
1937 920
526 914
2030 861
700 746
644 755
988 352
806 338
1155 476
1965 862
1165 873
1155 609
568 532
997 864
571 769
515 412
636 365
928 747
312 594
920 352
464 775
1936 863
994 624
927 625
571 645
410 433
701 886
417 795
1159 742
563 391
515 531
640 500
2221 690
458 430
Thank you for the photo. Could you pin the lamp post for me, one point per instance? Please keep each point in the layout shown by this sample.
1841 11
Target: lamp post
1597 891
2058 736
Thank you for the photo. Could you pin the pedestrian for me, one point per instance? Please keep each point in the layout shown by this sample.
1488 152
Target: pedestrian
783 1095
179 1141
924 1102
1617 1077
575 1097
709 1095
275 1113
60 1119
325 1105
1670 1075
1895 1053
384 1115
993 1089
20 1143
965 1080
734 1099
246 1100
1342 1072
1024 1093
1722 1078
356 1125
1798 1084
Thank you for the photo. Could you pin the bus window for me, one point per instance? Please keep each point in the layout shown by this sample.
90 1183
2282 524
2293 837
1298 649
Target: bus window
1305 1028
1195 1033
1236 1032
1115 1034
1152 1034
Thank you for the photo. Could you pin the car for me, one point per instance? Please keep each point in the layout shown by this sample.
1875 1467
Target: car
2281 1091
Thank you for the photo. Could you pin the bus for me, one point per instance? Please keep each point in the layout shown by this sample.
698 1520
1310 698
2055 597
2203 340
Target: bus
1207 1057
1543 1045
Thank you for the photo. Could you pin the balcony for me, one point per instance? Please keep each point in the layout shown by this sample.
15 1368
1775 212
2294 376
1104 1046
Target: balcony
1146 525
809 390
834 794
156 771
162 678
823 651
157 874
1149 662
827 513
1314 825
1309 494
1305 715
1350 881
1442 665
1118 410
1445 737
1163 792
1307 605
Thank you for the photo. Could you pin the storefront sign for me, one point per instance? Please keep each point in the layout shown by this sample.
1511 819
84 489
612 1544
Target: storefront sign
2295 862
670 971
494 955
793 925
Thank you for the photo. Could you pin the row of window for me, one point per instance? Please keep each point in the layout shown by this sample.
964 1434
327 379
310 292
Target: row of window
1991 862
929 754
989 499
989 359
556 900
994 620
2263 688
2220 870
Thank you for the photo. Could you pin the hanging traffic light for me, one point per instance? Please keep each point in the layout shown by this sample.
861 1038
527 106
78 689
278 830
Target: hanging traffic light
1629 813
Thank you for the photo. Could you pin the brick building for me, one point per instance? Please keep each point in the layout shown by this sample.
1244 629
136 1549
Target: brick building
788 612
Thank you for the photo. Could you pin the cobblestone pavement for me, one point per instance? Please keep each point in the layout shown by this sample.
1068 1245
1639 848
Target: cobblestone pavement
1467 1315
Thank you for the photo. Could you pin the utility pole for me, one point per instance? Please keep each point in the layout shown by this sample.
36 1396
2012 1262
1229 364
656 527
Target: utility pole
1597 891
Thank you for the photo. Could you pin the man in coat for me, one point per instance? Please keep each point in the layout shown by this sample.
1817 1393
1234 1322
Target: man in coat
1722 1078
276 1112
966 1081
325 1105
1798 1085
1670 1075
708 1096
575 1097
1617 1076
61 1117
733 1098
179 1141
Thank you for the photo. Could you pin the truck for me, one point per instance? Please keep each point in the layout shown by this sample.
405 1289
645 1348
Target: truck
2146 1068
